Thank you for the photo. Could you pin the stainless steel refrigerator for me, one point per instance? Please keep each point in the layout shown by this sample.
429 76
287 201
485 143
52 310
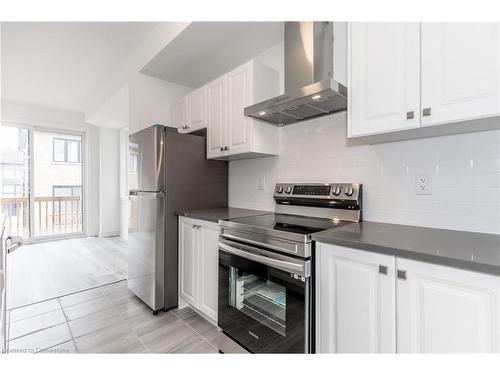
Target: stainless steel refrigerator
168 171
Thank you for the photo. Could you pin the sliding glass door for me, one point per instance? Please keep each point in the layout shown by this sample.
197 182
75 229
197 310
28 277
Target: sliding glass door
14 179
57 183
42 182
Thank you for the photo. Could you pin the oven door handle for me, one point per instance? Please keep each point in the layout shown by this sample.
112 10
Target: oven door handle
301 268
252 242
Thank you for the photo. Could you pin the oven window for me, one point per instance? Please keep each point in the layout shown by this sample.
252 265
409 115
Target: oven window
260 299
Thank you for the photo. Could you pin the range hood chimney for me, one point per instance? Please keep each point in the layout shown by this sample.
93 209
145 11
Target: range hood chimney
310 90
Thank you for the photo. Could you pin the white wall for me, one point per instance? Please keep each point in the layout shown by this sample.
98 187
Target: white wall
150 101
124 200
109 186
55 119
464 168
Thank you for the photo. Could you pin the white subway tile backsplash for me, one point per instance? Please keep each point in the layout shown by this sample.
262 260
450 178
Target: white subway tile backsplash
464 168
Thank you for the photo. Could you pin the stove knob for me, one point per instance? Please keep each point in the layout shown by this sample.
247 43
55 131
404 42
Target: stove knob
288 190
279 189
349 191
337 190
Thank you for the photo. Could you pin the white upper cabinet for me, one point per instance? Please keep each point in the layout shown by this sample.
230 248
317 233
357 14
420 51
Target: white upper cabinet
239 95
219 107
241 136
216 118
410 75
190 113
383 77
179 114
447 310
355 302
197 109
460 71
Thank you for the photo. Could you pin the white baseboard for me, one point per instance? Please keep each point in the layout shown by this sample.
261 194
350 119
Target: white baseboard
109 234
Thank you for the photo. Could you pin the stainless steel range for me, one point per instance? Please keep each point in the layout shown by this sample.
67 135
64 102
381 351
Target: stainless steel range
266 273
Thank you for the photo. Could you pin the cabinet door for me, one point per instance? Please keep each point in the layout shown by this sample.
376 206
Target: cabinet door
460 71
384 77
239 95
446 310
188 261
208 269
179 115
216 118
197 110
355 302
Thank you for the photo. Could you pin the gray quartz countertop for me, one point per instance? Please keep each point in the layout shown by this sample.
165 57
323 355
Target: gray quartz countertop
467 250
220 213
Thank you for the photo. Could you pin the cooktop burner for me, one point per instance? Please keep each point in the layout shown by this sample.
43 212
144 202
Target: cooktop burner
289 223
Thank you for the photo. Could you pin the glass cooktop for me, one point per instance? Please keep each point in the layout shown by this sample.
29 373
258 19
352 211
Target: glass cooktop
290 223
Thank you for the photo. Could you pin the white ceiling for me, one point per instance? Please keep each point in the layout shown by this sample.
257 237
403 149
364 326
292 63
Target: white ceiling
206 50
56 64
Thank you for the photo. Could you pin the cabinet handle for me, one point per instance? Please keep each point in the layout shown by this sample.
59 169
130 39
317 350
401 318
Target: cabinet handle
426 112
226 148
410 115
382 269
222 148
401 275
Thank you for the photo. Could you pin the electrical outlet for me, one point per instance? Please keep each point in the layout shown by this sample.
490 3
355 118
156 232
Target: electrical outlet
423 184
262 183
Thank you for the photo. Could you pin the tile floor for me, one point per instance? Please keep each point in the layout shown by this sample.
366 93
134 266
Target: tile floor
44 270
108 319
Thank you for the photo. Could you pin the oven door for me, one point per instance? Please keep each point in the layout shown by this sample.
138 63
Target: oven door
264 299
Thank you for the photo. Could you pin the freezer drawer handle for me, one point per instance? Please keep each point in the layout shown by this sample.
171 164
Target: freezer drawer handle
299 269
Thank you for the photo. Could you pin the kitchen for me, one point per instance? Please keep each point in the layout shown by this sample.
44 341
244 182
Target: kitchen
338 190
400 185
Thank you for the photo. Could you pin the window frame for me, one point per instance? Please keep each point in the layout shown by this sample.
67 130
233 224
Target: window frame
14 192
66 148
72 187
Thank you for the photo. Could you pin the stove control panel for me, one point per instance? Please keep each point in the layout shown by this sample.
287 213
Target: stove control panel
330 191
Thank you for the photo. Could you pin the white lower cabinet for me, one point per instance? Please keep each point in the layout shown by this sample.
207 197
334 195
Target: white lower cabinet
198 265
447 310
367 302
355 301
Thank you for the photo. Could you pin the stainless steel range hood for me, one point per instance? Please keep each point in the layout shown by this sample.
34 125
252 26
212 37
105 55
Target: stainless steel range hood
310 90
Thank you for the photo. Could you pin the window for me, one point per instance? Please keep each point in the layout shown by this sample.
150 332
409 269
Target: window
66 191
67 150
13 190
13 171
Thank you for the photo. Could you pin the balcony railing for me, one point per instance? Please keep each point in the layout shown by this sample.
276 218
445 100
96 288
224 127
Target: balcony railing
52 215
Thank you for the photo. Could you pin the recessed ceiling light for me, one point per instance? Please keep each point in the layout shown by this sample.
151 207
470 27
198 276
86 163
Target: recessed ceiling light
316 97
262 113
